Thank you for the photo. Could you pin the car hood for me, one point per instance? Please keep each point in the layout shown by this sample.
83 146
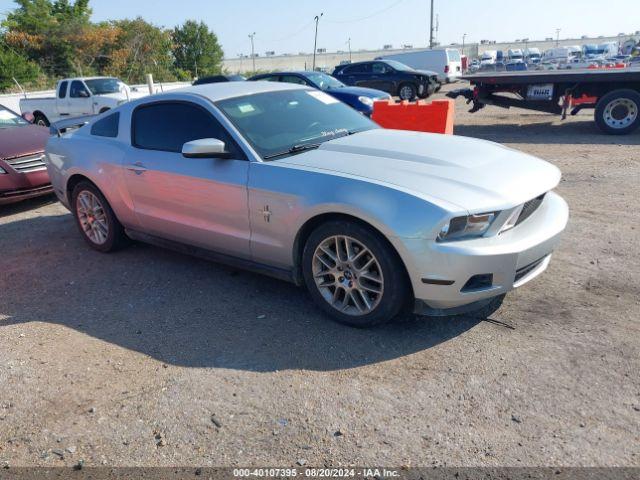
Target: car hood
357 92
428 73
451 171
20 141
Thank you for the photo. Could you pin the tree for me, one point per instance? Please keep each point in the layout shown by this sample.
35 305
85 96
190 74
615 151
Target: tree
15 66
196 49
141 48
41 29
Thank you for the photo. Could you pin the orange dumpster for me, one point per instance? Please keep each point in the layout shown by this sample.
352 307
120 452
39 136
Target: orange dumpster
422 116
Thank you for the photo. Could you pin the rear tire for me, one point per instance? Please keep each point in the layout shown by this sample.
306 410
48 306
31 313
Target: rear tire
95 219
407 91
618 112
354 275
40 120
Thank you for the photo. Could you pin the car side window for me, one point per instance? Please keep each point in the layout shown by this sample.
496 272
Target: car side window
362 68
107 127
167 126
62 90
273 78
78 90
293 79
380 68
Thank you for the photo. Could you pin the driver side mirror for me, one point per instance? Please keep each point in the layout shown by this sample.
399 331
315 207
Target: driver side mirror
205 148
83 94
28 116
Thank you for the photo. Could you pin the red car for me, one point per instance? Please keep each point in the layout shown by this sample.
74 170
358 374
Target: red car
23 173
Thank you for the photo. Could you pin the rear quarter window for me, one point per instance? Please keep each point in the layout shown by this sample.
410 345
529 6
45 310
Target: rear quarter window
107 127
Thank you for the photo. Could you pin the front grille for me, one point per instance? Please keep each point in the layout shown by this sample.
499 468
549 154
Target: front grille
28 164
529 208
524 271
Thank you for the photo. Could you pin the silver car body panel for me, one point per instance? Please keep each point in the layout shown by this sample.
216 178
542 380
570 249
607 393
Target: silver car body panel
407 185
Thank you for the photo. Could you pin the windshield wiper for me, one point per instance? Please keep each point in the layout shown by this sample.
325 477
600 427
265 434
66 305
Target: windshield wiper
295 149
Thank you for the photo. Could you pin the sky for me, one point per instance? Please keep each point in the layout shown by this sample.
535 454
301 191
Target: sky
287 26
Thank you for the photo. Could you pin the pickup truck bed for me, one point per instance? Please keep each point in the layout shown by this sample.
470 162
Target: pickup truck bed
613 93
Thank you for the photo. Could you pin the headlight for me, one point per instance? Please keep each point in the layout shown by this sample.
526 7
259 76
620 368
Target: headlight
366 101
466 227
2 171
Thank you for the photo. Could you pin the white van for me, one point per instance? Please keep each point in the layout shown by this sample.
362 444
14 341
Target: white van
446 62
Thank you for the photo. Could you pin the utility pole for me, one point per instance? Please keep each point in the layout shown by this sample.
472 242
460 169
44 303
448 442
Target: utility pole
349 42
557 37
315 41
253 51
431 28
464 37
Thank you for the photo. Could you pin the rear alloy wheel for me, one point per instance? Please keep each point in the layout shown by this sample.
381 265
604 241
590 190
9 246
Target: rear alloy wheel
354 275
98 224
618 112
407 92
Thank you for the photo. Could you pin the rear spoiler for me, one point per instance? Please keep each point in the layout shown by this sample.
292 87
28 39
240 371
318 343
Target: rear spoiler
61 127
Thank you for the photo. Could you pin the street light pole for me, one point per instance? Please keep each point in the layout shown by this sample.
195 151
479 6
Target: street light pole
349 42
557 37
315 41
431 28
464 37
253 51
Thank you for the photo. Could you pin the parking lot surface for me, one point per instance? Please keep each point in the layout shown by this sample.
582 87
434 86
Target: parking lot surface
151 358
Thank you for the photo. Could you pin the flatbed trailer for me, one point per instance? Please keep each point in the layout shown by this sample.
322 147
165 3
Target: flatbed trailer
613 93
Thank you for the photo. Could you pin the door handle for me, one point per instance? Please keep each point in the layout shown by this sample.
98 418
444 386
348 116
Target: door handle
138 168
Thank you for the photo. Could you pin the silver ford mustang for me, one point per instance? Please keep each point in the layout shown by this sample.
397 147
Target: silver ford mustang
290 182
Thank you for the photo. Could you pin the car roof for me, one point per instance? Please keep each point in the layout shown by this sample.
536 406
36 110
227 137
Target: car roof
225 90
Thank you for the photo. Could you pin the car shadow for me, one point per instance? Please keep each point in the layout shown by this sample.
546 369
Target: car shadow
25 205
573 131
185 311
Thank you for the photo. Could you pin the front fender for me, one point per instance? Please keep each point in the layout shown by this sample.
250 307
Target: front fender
283 200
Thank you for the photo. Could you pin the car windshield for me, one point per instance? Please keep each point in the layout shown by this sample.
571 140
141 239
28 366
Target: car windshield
286 122
324 81
8 119
102 86
401 67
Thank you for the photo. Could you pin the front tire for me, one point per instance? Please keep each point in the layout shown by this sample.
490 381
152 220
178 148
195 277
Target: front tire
95 219
618 112
354 275
40 120
408 92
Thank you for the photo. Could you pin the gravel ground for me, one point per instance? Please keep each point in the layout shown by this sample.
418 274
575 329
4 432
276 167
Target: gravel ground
151 358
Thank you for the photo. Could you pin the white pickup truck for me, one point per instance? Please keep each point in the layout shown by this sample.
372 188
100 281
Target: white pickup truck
77 97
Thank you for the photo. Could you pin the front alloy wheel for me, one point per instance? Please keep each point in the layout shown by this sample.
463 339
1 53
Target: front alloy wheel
354 275
348 275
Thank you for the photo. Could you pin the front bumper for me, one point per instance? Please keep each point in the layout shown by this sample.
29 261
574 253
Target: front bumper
16 186
444 275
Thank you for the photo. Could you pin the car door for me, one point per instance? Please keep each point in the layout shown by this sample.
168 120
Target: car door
357 75
79 100
62 102
197 201
382 77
